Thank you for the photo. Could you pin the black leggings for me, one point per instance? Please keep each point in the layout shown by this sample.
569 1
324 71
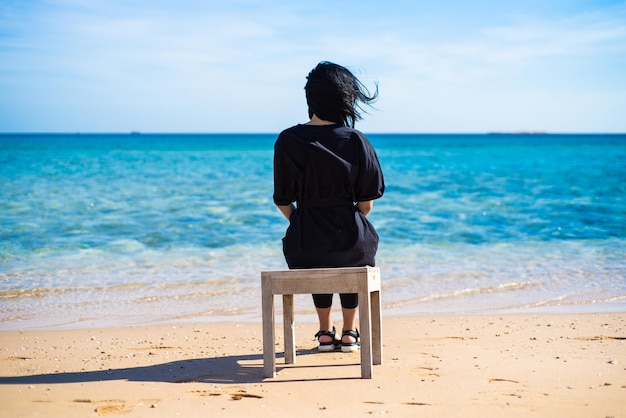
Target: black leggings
348 300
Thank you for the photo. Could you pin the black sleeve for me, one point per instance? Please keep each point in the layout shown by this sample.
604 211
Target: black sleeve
285 174
371 183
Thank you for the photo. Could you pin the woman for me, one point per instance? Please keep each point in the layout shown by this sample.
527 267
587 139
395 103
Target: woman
332 173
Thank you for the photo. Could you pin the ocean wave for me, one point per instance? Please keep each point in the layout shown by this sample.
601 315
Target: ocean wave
500 288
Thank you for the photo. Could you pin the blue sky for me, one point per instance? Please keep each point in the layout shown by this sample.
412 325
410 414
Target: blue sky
240 65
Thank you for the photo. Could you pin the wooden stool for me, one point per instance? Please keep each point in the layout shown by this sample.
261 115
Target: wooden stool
362 280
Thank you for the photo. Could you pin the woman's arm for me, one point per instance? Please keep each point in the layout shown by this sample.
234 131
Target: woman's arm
286 210
365 207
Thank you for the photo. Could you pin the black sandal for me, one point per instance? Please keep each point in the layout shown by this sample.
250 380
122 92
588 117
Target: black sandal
327 345
349 347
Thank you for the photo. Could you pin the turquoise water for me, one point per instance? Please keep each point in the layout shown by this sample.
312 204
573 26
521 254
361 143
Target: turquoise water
130 229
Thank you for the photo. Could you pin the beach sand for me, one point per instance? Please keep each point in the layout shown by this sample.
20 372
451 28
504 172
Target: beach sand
547 365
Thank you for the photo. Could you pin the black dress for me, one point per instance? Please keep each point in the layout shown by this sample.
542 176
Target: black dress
325 170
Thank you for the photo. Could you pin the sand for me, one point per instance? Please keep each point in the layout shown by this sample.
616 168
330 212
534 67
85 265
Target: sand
548 365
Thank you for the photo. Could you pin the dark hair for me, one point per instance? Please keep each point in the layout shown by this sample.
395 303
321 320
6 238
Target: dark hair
333 93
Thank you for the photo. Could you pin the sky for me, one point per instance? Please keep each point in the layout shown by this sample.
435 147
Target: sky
201 66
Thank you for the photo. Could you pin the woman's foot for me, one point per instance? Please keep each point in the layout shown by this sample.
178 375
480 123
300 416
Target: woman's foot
326 340
349 340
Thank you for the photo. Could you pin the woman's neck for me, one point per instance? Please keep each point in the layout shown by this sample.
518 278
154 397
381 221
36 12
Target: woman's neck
319 122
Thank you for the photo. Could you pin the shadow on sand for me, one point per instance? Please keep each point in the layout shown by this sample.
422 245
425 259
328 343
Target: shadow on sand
218 370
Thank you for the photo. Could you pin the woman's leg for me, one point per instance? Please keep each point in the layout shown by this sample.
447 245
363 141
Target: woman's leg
349 304
324 316
349 323
323 306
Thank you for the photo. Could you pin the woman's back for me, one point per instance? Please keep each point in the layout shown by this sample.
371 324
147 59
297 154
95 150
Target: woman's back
325 169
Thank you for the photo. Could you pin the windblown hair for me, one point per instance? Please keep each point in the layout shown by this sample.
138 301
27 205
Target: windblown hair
333 93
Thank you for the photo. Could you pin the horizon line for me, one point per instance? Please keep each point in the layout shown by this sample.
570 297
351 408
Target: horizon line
137 133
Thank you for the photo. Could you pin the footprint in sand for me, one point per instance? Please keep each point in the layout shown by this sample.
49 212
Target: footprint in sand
243 394
110 409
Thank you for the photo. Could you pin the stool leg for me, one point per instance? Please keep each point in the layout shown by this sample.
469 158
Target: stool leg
269 350
288 326
377 328
365 322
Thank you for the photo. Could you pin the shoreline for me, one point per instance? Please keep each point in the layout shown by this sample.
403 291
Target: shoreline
124 317
514 364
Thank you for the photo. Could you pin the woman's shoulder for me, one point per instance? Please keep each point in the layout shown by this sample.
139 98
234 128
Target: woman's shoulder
349 131
356 135
295 130
306 133
290 137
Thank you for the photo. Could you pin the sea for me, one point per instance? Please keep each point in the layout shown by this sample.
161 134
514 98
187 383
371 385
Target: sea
101 230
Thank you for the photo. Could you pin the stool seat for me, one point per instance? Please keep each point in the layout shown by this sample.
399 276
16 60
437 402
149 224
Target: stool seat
362 280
